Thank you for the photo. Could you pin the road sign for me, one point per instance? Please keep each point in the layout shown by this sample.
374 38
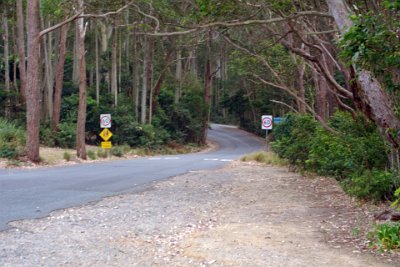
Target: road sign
278 120
106 134
106 145
105 121
266 122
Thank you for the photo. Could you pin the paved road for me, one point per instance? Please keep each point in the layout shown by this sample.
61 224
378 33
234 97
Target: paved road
35 193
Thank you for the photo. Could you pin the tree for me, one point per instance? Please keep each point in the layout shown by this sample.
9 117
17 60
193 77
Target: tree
368 92
33 80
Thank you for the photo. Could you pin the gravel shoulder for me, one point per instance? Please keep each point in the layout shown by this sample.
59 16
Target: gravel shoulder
242 215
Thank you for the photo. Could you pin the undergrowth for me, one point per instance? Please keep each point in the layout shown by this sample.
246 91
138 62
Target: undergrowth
269 158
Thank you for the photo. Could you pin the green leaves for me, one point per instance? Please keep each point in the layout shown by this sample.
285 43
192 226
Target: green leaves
373 43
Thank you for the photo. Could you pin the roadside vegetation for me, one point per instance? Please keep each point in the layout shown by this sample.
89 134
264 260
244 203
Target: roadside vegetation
268 158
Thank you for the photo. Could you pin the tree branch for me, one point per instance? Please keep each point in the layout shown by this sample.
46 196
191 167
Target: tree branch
286 105
59 25
232 24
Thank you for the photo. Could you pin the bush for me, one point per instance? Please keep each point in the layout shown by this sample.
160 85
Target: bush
12 140
91 154
102 153
117 151
66 135
67 156
47 137
269 158
292 139
373 185
356 146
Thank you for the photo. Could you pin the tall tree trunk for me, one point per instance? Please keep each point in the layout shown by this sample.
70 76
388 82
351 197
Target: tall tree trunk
321 93
97 68
114 81
49 79
146 76
135 81
178 76
21 48
80 128
60 78
33 79
373 100
6 38
300 87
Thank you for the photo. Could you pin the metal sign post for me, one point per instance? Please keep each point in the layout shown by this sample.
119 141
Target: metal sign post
266 124
105 123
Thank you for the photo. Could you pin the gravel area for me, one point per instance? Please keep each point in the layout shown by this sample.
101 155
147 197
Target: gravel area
242 215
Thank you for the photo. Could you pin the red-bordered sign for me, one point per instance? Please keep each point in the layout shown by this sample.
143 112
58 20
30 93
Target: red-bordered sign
105 121
266 122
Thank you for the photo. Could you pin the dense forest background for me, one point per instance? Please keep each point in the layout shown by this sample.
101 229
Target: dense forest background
165 69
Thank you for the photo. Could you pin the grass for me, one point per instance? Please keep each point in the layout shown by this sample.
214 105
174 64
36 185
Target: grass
268 158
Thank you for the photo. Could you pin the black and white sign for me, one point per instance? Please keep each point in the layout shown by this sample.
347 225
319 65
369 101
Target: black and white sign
266 122
105 121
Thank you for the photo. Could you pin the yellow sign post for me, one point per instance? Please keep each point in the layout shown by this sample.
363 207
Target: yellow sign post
106 134
106 145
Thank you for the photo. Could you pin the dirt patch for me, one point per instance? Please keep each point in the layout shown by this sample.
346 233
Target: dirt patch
243 215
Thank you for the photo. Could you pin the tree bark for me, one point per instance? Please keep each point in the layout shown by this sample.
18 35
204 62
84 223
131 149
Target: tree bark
80 128
49 78
33 79
374 101
146 76
135 73
6 38
60 78
21 48
97 68
178 76
114 81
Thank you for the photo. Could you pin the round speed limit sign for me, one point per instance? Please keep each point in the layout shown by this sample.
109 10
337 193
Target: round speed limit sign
266 122
105 121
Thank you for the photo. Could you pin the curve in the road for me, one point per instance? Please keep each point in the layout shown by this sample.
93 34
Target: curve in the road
35 193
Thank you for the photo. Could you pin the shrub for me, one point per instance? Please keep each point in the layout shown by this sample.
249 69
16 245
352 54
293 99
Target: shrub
12 140
47 137
373 184
67 156
102 153
356 146
91 154
117 151
269 158
293 138
66 135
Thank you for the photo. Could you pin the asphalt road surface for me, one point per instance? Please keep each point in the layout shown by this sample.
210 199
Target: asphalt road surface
34 193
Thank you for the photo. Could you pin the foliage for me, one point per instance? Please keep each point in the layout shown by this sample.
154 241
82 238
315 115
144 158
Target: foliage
386 236
117 151
269 158
66 135
91 154
396 202
376 185
373 43
356 146
102 153
354 154
12 140
293 138
67 156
